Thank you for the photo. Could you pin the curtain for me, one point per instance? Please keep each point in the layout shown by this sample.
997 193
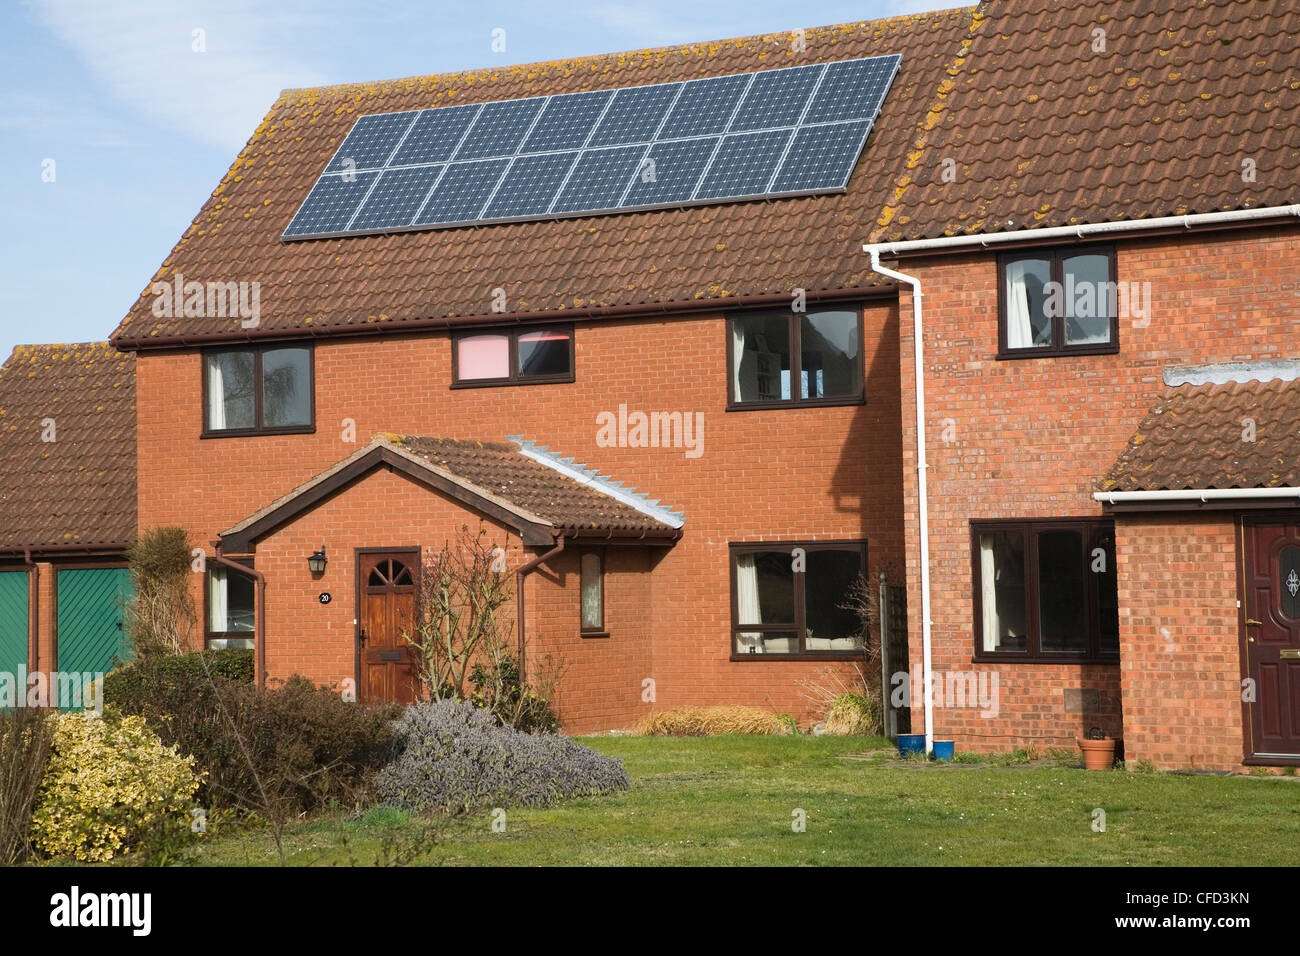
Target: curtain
483 356
216 394
989 592
218 603
1020 331
747 608
737 354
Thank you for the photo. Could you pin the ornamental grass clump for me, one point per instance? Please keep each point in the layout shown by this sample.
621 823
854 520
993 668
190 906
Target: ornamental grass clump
711 721
454 757
113 786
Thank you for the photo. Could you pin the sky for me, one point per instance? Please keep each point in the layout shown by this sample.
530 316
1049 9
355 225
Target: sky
119 117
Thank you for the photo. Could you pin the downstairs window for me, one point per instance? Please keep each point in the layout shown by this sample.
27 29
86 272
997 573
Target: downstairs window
1045 590
232 608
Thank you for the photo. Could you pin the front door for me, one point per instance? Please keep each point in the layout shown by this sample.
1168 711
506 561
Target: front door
386 618
1271 611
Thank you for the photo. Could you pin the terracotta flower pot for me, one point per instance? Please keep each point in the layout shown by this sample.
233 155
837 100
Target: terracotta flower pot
1098 754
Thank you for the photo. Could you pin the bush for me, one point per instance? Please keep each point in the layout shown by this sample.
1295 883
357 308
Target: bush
25 737
455 757
853 715
497 689
161 614
112 785
709 721
299 745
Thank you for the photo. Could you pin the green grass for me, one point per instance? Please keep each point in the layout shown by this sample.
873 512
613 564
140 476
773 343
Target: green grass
730 800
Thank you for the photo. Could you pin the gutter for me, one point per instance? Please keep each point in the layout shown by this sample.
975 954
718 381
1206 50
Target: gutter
1194 494
1211 220
678 307
259 641
520 574
1087 230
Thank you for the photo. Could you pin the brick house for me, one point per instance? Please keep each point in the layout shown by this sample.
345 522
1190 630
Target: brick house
1077 526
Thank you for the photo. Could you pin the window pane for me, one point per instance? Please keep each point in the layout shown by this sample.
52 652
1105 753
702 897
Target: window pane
760 355
230 399
826 585
593 611
828 355
767 643
482 356
1028 324
1062 592
231 601
765 588
286 387
1102 567
1002 591
544 353
1087 294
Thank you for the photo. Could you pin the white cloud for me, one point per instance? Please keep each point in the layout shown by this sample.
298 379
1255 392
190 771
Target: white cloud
142 50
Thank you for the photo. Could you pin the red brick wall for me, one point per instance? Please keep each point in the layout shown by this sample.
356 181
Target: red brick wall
826 473
1030 438
1181 658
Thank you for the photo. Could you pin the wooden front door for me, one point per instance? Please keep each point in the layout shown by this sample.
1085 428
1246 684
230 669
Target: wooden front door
1271 614
387 594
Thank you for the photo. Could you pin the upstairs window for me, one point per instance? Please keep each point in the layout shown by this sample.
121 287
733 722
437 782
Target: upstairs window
514 357
1045 590
1061 302
255 391
779 359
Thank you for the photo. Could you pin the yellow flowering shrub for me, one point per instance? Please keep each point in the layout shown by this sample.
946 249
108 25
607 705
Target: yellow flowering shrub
112 785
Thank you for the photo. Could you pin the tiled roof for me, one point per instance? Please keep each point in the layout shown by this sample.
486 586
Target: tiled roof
79 489
1236 435
495 477
1193 106
566 503
741 249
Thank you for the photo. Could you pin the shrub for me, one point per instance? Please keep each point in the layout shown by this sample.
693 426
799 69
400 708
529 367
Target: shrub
300 746
710 721
497 689
455 757
161 613
25 737
112 785
855 715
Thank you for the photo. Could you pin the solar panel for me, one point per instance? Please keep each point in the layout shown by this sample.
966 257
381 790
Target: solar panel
773 133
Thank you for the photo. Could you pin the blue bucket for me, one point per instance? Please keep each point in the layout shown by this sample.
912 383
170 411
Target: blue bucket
909 744
944 749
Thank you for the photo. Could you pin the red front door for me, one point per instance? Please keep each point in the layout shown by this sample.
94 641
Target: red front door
386 619
1271 610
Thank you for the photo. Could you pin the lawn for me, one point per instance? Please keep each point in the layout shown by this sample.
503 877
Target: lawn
732 801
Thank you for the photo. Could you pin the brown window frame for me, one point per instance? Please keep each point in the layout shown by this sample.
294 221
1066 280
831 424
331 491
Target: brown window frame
210 635
1055 256
512 338
799 626
258 429
601 630
1033 653
796 362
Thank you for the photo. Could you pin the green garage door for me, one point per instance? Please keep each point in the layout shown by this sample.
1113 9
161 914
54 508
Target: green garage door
13 621
91 607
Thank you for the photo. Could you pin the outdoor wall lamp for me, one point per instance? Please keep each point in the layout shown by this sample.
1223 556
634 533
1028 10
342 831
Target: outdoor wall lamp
317 561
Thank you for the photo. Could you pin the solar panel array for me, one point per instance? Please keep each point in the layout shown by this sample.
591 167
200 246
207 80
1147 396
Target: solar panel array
787 132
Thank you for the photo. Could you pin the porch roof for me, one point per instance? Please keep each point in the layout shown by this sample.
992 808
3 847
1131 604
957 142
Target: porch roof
539 497
1230 435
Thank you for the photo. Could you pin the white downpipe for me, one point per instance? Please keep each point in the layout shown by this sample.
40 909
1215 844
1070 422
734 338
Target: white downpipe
1194 494
1083 231
921 466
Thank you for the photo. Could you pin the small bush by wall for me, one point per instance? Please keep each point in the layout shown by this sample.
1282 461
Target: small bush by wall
457 758
709 721
112 785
